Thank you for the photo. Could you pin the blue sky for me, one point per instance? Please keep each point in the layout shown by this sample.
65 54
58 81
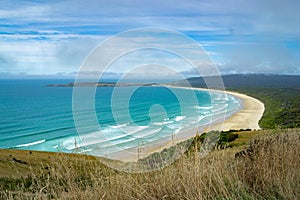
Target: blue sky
54 37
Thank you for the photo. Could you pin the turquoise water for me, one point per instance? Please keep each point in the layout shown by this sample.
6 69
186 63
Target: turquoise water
36 117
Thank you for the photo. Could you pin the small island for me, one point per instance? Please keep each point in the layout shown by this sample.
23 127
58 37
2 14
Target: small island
101 84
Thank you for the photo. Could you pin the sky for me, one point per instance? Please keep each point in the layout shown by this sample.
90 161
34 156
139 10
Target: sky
53 38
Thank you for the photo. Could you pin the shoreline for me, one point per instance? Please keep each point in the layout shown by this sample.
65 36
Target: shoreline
246 117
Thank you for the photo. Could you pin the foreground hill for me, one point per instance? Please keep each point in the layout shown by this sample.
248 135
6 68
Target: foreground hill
268 168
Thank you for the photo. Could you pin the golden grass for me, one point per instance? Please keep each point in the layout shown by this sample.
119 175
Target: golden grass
271 165
268 169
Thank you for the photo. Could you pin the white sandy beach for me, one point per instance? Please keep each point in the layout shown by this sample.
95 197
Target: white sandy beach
247 117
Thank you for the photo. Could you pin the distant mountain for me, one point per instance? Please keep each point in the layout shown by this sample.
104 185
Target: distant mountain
249 80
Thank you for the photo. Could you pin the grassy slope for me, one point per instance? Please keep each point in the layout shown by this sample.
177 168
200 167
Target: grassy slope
18 163
270 168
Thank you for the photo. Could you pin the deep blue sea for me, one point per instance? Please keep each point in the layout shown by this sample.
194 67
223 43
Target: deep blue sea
36 117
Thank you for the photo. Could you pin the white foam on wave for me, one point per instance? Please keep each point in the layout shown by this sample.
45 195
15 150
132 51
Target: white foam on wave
179 118
143 133
31 143
162 123
120 125
220 107
225 97
137 136
215 96
103 136
146 133
94 139
133 129
235 100
117 142
200 118
177 130
204 107
173 126
86 150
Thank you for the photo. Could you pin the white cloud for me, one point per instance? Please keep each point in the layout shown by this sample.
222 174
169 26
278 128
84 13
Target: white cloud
29 12
45 57
260 58
55 36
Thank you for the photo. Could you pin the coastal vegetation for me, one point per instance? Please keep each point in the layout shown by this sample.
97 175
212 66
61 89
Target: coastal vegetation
282 106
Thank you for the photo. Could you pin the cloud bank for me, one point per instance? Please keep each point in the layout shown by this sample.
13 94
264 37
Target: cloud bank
54 37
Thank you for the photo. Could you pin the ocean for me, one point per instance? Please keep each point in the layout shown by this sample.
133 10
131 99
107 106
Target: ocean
36 117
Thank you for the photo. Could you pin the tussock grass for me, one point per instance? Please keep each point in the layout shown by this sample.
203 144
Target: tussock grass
268 169
271 166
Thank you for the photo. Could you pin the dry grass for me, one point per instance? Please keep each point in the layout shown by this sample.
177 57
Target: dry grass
269 169
271 166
